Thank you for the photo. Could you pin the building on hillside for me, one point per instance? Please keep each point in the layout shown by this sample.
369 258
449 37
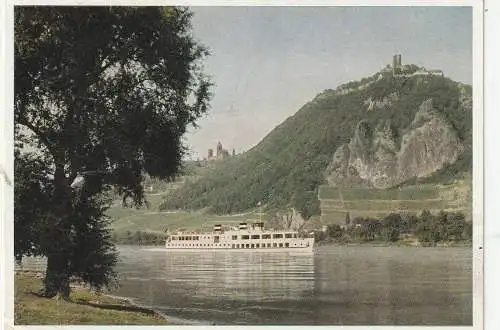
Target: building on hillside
220 153
400 70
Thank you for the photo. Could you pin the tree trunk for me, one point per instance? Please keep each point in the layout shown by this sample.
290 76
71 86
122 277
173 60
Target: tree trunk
56 281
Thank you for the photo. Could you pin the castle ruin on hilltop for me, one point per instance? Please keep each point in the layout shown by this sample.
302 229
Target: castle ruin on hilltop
400 70
221 153
397 69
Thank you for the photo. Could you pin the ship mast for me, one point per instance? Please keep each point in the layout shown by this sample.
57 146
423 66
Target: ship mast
259 204
260 224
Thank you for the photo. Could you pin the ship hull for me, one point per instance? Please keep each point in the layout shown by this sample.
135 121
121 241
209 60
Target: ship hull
255 250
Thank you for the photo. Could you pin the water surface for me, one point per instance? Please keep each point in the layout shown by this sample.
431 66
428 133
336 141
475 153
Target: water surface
335 285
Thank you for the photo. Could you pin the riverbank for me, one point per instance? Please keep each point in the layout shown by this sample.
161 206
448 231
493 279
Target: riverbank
84 307
459 244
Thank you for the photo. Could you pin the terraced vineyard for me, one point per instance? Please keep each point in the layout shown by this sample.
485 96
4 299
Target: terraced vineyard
336 202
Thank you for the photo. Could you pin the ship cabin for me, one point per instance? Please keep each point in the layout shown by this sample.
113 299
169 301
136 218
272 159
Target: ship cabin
243 237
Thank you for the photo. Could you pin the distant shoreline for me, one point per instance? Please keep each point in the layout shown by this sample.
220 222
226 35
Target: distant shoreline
462 244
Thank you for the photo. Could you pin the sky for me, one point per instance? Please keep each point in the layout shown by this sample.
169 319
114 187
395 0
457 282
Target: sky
267 62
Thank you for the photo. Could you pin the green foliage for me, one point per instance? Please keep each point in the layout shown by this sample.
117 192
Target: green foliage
392 226
139 238
428 228
287 167
32 203
93 255
106 92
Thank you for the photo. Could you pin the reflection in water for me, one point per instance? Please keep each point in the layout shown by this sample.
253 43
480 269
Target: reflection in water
222 287
336 285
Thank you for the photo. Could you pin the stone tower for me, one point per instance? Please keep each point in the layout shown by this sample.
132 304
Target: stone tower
219 149
396 63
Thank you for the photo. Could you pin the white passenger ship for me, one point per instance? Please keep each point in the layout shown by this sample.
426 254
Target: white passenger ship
246 237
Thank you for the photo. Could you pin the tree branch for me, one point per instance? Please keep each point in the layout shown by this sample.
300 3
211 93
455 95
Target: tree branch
40 135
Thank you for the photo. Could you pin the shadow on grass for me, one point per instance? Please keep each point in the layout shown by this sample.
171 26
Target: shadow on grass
124 308
38 294
117 307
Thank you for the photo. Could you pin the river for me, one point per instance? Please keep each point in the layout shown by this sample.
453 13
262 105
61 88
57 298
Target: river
336 285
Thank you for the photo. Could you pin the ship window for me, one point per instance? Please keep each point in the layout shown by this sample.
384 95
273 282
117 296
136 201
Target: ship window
266 236
258 245
248 246
287 244
294 235
174 238
253 246
232 246
255 236
275 245
245 237
281 244
268 244
197 238
277 235
288 235
235 237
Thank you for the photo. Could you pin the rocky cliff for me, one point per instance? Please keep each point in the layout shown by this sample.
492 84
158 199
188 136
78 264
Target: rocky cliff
377 157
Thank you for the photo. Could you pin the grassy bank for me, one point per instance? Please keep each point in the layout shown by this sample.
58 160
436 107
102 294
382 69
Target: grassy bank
84 307
127 221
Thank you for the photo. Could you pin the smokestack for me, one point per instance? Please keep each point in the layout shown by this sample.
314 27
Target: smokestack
243 226
217 227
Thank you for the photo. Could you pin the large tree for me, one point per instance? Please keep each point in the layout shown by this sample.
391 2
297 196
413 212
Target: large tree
106 91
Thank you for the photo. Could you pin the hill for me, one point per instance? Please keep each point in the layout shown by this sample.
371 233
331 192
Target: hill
391 125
